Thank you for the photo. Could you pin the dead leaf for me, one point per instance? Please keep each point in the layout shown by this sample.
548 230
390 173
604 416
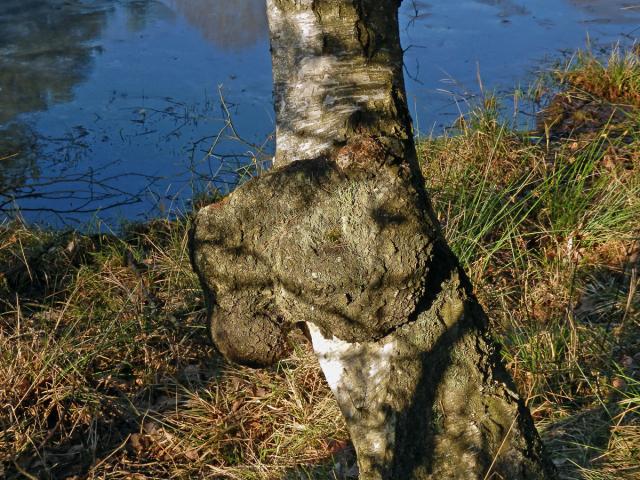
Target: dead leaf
135 442
236 405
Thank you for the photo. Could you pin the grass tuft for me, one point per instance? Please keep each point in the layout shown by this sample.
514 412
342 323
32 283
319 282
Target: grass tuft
616 79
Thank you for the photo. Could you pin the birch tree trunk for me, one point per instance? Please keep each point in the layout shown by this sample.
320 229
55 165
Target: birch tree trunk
341 235
435 400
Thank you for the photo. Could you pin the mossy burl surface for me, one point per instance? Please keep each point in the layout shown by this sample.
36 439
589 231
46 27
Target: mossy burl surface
345 246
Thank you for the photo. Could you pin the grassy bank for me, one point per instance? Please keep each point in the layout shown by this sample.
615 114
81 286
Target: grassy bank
106 370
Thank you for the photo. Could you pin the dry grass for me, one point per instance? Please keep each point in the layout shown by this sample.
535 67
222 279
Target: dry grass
594 92
550 234
616 79
106 370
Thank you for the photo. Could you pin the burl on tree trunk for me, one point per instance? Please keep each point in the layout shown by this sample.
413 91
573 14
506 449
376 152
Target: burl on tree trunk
341 235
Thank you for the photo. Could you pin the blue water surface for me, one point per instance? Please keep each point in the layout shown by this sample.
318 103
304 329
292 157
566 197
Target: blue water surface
122 109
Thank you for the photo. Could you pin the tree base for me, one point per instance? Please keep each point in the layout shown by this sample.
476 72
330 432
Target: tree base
347 247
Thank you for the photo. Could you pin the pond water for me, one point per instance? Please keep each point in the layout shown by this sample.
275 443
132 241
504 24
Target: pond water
126 107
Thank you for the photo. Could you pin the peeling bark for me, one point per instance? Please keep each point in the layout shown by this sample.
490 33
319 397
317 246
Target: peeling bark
341 235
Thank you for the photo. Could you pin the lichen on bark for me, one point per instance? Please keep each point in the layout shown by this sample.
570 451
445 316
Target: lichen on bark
344 245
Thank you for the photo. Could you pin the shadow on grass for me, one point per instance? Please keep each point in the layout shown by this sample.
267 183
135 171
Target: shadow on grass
582 443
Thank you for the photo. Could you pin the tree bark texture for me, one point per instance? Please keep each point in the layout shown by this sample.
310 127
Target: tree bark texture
337 72
341 235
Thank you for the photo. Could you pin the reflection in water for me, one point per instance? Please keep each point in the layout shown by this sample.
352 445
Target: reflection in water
507 8
141 12
45 50
600 11
75 73
610 11
18 159
230 24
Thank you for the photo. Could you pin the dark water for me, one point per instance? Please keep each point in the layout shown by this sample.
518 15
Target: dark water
115 106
